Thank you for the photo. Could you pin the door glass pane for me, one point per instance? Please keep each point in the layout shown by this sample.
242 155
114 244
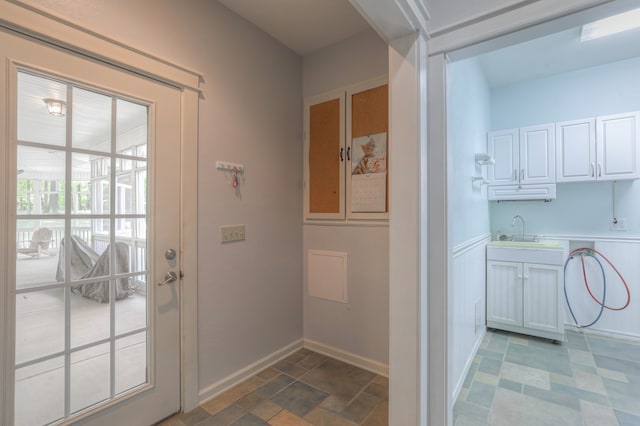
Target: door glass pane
131 313
91 122
141 188
131 362
40 393
83 165
131 128
35 122
90 321
81 258
40 187
39 324
37 251
124 194
90 376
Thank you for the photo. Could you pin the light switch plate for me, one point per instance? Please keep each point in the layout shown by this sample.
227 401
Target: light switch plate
229 233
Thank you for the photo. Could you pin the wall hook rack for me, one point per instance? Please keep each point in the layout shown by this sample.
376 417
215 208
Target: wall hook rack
231 167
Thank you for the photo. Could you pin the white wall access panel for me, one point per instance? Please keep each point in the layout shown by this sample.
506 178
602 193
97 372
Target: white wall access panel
327 275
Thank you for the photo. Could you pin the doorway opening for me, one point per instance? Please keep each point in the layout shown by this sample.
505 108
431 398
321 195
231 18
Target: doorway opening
551 80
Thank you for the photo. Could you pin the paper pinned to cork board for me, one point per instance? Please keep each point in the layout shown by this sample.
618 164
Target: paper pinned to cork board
369 173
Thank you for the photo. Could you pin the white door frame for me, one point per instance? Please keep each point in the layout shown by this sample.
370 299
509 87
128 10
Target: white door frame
418 297
53 30
499 29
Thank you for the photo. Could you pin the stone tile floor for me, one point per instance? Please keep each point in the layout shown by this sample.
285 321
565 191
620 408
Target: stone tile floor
305 388
521 380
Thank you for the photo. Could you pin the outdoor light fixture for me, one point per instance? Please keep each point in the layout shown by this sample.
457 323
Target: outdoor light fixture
55 107
611 25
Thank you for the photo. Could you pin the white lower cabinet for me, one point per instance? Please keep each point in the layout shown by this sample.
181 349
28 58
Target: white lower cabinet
525 298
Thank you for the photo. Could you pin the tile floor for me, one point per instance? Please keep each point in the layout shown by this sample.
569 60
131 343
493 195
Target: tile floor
305 388
520 380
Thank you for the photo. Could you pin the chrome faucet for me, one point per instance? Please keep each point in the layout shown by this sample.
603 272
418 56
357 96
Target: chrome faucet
513 223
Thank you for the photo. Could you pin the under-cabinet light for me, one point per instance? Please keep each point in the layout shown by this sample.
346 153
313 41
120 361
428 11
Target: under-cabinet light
612 25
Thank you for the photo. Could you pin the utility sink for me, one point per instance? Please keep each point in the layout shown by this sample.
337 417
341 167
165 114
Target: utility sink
526 251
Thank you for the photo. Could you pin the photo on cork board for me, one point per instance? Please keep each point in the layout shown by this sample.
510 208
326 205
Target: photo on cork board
369 154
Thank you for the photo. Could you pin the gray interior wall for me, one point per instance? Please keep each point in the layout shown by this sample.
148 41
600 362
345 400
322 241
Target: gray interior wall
250 113
360 327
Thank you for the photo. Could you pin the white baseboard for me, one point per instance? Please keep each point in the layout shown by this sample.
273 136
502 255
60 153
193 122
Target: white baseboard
348 357
233 379
458 387
604 333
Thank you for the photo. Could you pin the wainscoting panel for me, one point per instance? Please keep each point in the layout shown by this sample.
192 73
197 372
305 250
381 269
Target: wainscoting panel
467 308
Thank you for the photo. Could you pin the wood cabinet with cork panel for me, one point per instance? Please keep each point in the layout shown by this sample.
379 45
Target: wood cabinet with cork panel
346 152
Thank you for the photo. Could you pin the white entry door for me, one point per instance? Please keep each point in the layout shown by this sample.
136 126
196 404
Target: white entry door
91 218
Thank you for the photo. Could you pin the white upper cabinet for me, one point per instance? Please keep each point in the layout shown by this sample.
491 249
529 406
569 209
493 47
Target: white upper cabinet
604 148
504 147
523 156
537 154
617 146
576 150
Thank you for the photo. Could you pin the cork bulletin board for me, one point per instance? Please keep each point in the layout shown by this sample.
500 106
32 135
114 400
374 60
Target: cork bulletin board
370 122
324 159
370 112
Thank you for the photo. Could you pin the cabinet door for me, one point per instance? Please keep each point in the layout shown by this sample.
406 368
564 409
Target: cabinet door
542 285
538 154
504 292
576 150
504 148
617 144
367 148
325 157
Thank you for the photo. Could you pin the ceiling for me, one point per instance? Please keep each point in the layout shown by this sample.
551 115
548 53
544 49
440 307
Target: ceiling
556 53
302 25
309 25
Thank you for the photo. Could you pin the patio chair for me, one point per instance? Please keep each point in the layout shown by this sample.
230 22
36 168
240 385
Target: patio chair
38 245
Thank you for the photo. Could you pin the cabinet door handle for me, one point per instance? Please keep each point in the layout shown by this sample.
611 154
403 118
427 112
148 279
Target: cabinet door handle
341 154
599 169
348 153
521 175
515 174
526 277
593 170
